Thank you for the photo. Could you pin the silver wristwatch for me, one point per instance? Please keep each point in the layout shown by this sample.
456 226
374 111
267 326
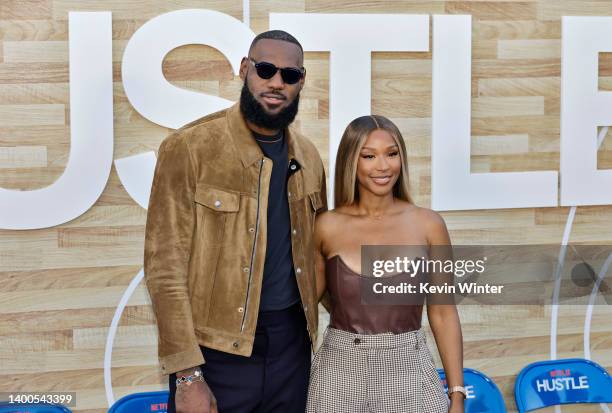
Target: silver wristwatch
459 389
196 376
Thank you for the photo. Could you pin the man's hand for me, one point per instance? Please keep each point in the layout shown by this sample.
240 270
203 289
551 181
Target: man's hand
195 397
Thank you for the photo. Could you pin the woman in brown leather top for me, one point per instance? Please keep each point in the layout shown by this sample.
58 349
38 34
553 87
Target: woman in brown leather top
374 358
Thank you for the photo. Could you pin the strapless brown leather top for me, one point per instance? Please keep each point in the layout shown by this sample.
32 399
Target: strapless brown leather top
349 314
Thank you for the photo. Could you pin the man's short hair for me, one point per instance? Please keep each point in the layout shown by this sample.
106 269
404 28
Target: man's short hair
276 35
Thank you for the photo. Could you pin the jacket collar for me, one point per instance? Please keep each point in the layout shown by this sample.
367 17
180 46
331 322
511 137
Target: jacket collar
248 149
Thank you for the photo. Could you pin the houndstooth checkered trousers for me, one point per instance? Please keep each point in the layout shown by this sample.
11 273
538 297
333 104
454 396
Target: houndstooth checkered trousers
382 373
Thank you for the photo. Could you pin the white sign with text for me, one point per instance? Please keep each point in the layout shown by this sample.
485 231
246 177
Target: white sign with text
350 44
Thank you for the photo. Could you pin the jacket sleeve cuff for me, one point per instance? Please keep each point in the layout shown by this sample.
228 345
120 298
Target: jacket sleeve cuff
181 361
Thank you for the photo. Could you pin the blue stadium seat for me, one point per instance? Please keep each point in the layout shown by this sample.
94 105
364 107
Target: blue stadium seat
566 381
150 402
32 408
483 394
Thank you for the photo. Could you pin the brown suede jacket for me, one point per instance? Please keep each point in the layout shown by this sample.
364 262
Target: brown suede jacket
205 240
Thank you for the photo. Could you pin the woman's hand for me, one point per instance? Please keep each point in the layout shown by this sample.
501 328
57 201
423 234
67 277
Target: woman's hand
457 402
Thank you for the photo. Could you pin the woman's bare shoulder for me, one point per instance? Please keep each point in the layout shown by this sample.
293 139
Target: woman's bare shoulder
428 216
331 217
330 221
432 222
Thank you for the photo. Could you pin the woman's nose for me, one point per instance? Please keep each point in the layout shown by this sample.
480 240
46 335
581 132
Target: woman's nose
382 164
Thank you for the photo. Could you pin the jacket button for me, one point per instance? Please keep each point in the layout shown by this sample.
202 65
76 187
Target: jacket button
240 309
289 193
245 269
357 341
251 230
298 270
217 203
305 308
294 231
235 344
293 167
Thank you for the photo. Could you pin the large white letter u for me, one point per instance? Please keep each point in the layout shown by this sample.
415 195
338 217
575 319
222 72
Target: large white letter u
91 130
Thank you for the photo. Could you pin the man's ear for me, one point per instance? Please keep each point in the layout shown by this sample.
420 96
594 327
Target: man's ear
243 68
303 79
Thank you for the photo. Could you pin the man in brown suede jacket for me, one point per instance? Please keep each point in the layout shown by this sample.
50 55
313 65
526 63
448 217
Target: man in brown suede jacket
228 246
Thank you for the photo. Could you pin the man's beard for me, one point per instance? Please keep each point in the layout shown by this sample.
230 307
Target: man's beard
255 113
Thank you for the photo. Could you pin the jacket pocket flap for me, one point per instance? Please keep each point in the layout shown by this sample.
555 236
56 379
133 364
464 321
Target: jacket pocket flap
315 200
217 199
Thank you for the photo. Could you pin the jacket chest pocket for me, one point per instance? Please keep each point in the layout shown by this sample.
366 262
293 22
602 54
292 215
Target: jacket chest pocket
312 204
316 202
216 210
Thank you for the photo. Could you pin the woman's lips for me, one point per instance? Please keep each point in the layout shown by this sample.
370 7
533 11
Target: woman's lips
382 180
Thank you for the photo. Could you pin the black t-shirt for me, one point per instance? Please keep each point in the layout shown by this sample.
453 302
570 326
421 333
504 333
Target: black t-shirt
279 289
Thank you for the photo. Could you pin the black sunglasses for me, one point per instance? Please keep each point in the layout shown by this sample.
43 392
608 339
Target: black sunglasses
290 75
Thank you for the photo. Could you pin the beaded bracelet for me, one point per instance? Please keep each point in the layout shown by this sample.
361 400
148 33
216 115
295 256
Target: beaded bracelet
196 376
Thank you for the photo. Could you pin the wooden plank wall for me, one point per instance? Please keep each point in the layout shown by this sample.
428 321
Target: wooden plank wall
59 287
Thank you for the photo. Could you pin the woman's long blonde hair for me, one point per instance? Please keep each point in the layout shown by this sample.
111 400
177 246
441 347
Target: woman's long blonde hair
346 191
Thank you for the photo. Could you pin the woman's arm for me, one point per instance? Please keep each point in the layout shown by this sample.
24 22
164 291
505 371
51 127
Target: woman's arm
443 317
319 256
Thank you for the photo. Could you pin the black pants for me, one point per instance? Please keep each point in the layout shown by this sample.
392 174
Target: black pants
273 380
